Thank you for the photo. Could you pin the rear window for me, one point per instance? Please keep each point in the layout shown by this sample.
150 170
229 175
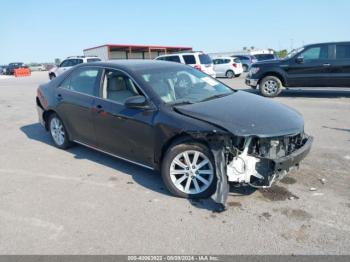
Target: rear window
189 59
205 59
237 60
90 60
343 51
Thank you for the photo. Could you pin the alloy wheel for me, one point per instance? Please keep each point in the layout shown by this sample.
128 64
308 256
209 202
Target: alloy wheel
191 172
57 131
271 87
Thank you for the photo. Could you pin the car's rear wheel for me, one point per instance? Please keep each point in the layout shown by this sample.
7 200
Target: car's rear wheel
188 170
58 132
230 74
270 86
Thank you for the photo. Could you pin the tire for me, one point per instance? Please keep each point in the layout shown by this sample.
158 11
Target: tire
58 132
270 86
192 183
230 74
245 68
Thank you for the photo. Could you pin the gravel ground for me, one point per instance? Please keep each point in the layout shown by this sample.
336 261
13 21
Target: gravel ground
84 202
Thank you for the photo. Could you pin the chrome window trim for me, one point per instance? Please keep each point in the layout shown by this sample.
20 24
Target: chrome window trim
102 74
113 155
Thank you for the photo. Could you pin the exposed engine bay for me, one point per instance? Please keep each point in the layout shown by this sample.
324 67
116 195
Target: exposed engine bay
258 161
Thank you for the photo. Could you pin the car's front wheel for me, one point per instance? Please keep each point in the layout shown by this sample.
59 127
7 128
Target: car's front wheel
58 132
270 86
188 170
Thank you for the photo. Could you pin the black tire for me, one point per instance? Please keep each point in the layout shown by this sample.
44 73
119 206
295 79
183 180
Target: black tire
174 151
52 76
245 68
230 74
66 142
270 86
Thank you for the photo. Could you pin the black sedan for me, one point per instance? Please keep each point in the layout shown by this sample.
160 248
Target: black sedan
199 133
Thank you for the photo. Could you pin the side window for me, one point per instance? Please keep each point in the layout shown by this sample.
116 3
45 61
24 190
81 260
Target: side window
65 63
174 58
226 61
189 59
82 80
343 51
215 61
117 86
315 53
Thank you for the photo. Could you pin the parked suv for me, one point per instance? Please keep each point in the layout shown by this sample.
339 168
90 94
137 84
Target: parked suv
316 65
70 62
229 67
246 60
198 60
10 70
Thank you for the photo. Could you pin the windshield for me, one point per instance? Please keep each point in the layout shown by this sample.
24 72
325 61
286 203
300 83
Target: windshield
294 52
184 85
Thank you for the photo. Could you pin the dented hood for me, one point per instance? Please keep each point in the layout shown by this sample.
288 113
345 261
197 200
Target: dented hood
245 114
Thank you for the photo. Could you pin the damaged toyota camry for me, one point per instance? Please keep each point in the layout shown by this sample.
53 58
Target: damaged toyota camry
199 133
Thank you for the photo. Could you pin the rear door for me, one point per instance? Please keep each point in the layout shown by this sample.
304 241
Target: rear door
340 68
310 68
75 99
122 131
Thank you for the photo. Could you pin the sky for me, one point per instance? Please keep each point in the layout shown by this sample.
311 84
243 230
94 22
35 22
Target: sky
40 31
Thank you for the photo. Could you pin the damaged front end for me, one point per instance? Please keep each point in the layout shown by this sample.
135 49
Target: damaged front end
260 162
256 161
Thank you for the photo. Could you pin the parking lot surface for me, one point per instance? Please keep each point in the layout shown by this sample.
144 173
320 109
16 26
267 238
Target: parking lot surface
84 202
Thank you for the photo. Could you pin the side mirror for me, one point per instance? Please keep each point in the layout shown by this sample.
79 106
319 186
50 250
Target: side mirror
299 60
139 102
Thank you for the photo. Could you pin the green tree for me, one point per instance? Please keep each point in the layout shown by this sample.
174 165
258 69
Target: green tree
282 53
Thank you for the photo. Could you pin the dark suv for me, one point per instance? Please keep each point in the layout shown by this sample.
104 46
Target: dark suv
10 70
316 65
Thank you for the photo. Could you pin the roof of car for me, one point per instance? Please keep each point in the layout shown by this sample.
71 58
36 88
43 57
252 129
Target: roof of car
327 43
135 64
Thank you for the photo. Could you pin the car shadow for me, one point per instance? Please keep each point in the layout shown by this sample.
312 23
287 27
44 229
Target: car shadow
146 178
142 176
308 93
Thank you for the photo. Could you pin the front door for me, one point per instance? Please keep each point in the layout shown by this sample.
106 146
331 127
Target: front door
311 68
122 131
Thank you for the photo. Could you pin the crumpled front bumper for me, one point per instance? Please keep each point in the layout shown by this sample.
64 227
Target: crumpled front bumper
284 163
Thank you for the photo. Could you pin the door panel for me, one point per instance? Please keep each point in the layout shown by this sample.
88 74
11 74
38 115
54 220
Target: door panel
75 111
312 71
340 71
127 133
75 99
122 131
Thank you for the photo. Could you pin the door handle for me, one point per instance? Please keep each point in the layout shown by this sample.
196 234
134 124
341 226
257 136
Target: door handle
326 64
59 97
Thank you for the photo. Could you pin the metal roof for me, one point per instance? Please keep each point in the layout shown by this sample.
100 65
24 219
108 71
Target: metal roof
140 47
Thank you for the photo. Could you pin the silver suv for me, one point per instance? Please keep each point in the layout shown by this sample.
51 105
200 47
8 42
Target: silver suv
70 62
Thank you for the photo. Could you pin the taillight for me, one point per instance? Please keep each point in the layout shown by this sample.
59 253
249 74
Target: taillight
198 67
234 65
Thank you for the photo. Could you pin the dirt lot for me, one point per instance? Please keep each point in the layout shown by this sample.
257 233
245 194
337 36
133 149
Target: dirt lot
84 202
